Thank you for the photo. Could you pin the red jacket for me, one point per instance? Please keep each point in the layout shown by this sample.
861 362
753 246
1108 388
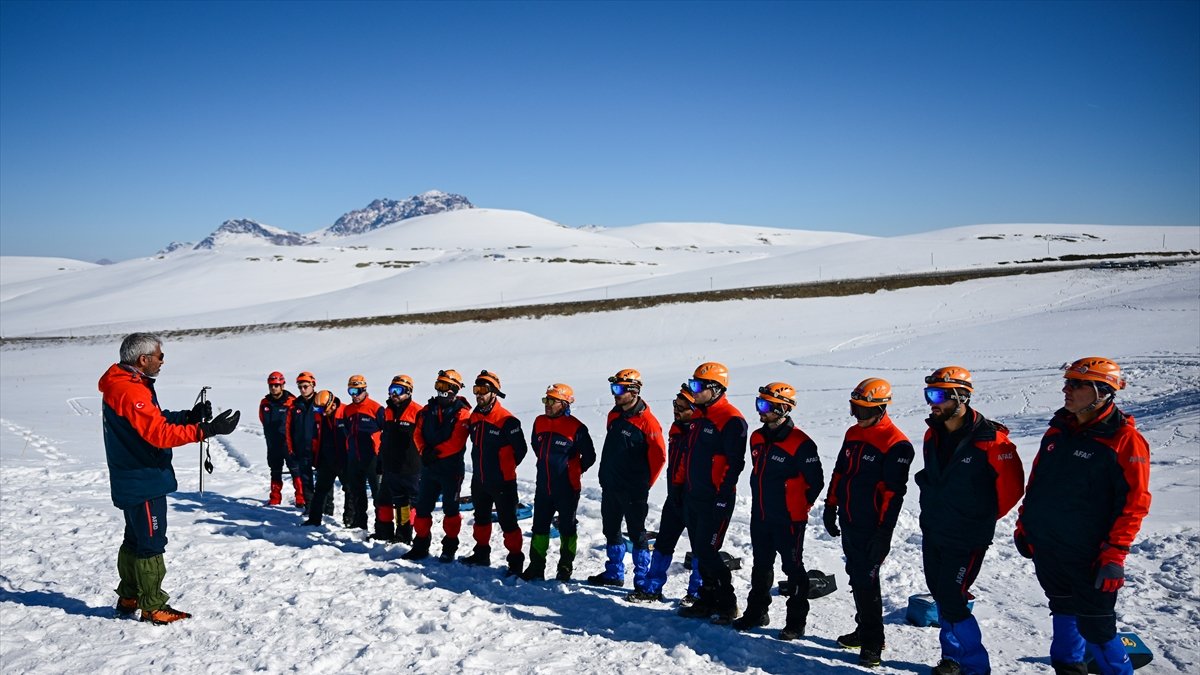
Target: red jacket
364 423
442 430
497 445
716 459
870 476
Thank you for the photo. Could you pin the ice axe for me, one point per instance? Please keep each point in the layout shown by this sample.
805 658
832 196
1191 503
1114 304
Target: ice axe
205 454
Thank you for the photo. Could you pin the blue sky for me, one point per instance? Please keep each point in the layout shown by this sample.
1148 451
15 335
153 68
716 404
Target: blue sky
124 126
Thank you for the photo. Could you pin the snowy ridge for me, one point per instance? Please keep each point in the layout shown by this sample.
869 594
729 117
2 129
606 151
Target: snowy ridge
383 212
243 231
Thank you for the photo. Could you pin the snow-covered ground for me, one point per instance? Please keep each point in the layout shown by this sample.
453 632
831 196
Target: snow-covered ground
268 595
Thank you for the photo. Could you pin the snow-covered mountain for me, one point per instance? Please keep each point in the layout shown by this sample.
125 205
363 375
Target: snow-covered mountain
241 231
382 212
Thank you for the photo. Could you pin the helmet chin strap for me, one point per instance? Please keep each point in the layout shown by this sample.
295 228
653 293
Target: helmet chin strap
1100 400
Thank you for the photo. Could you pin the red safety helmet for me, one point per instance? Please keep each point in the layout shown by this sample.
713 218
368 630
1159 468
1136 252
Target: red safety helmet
276 378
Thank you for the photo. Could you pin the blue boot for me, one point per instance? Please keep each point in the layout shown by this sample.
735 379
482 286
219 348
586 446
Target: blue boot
1067 648
657 575
695 581
641 568
614 569
1111 657
962 642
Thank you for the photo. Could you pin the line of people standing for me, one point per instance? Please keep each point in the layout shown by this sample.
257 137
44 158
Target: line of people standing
972 476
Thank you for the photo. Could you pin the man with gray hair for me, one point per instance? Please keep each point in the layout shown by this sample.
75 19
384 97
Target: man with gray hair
138 437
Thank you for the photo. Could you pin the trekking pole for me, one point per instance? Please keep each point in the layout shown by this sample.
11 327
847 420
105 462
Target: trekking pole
205 456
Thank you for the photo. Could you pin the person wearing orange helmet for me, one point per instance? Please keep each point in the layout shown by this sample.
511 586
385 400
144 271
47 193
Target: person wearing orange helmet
632 458
671 524
441 437
564 452
364 424
971 478
1087 495
273 415
302 437
714 465
329 456
399 464
786 481
866 491
497 447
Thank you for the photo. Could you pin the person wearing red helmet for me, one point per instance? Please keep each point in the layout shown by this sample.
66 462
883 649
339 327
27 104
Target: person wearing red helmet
1087 495
714 465
866 491
786 480
680 437
301 434
564 452
399 464
971 478
364 423
273 415
632 457
443 427
497 447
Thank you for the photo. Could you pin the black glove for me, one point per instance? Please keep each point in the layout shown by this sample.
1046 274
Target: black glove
224 423
830 519
1022 543
200 412
879 546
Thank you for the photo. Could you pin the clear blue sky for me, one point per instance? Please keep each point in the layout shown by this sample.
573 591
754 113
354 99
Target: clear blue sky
124 126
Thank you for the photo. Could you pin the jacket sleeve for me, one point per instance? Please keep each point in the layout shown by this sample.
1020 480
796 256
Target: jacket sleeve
896 463
733 449
1010 473
587 450
814 477
135 404
835 478
458 435
656 447
262 418
516 438
1133 457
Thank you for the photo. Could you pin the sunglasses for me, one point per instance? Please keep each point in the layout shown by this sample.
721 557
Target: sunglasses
936 395
397 390
305 385
863 412
275 384
1077 384
355 391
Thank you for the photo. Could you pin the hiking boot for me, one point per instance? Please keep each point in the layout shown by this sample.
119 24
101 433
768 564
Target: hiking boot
535 572
165 615
946 667
790 633
751 620
564 572
419 550
482 556
726 617
404 534
697 610
643 596
126 606
515 560
688 600
869 657
311 522
602 580
449 546
850 640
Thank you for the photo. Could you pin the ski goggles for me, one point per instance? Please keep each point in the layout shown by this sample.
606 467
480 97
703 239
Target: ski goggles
397 390
861 412
619 389
355 391
936 395
696 386
547 400
480 389
444 387
765 407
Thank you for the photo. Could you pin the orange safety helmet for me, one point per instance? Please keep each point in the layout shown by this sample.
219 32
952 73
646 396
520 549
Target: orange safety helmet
628 377
779 393
276 378
404 381
306 376
323 398
490 379
950 377
1095 369
450 378
712 371
562 392
872 393
357 381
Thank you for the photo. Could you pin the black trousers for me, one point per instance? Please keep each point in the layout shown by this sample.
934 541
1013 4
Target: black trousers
628 504
561 499
706 525
864 585
949 573
360 475
1069 584
785 539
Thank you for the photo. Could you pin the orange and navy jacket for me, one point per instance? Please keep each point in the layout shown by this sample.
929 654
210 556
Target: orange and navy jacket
302 438
634 451
981 481
364 423
564 451
330 446
680 438
786 478
716 459
397 452
497 445
1089 485
273 414
870 476
138 437
441 433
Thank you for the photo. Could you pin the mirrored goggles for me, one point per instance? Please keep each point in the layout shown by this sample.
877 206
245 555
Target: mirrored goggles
618 389
480 389
936 395
355 391
696 386
397 390
861 412
547 400
443 387
765 407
